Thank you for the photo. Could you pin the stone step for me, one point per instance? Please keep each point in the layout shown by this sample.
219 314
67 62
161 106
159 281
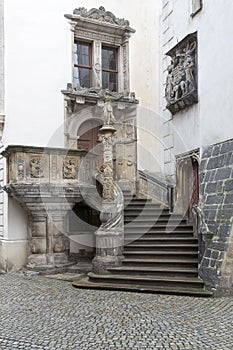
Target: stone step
138 236
170 247
127 287
156 271
162 281
139 205
158 262
152 216
142 201
162 240
161 254
155 221
153 211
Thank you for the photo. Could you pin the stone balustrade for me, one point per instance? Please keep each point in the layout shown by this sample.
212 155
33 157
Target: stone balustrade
48 165
48 182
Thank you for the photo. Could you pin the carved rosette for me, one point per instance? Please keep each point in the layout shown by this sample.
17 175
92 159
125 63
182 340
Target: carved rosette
181 81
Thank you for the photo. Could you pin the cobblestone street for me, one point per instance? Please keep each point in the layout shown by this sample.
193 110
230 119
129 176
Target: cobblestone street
44 313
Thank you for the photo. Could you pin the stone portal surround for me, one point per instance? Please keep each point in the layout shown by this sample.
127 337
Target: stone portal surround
216 202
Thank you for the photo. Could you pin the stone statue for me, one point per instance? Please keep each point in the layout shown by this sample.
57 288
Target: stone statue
109 118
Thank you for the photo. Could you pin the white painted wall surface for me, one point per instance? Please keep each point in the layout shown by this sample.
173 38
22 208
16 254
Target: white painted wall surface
210 120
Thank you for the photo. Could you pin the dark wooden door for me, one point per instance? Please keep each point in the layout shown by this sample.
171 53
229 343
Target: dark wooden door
88 140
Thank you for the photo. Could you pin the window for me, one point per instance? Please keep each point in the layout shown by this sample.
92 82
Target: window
82 64
109 68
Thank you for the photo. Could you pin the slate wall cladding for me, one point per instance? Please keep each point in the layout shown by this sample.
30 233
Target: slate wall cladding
216 202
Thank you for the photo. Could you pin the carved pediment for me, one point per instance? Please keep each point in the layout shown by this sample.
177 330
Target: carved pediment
100 15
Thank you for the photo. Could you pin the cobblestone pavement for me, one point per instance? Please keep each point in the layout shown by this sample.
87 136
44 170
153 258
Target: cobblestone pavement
42 313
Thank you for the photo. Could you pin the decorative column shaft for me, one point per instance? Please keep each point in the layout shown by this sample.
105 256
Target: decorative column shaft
110 235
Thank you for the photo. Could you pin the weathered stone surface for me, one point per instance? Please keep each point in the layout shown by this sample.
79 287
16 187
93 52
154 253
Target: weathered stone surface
216 200
229 185
223 173
211 187
216 162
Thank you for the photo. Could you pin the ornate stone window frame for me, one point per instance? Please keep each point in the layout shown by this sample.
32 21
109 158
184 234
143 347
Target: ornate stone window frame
181 89
101 27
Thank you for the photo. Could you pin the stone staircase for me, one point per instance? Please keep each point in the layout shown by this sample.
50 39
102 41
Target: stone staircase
160 253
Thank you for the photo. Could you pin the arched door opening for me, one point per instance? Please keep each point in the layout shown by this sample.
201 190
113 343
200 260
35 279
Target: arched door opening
88 139
187 179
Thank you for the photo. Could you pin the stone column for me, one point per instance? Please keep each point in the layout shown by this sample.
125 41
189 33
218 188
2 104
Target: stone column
109 237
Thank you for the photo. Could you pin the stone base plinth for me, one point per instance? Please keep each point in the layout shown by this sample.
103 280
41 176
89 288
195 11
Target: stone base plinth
48 260
100 265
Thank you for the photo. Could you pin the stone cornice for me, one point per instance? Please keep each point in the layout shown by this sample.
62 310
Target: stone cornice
96 18
96 94
41 150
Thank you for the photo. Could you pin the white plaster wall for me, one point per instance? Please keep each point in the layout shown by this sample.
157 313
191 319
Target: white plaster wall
210 120
17 224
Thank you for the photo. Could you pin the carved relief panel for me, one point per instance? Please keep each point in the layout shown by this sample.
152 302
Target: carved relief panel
181 82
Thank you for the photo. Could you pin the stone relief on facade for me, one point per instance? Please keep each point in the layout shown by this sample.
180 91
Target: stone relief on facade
129 130
37 167
100 15
181 82
70 169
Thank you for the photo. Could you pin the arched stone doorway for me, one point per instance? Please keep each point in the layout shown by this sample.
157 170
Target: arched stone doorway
88 139
88 135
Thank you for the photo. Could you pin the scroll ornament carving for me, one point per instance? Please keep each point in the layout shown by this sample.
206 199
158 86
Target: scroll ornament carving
101 15
69 169
37 166
181 82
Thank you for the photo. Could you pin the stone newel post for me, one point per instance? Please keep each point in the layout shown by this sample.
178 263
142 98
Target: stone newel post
110 236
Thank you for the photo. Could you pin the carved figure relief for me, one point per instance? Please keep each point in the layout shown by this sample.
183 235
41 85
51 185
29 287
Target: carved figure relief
36 167
129 130
181 81
69 169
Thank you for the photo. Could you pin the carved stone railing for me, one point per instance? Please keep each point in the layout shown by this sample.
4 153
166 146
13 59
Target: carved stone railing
48 165
48 182
152 186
